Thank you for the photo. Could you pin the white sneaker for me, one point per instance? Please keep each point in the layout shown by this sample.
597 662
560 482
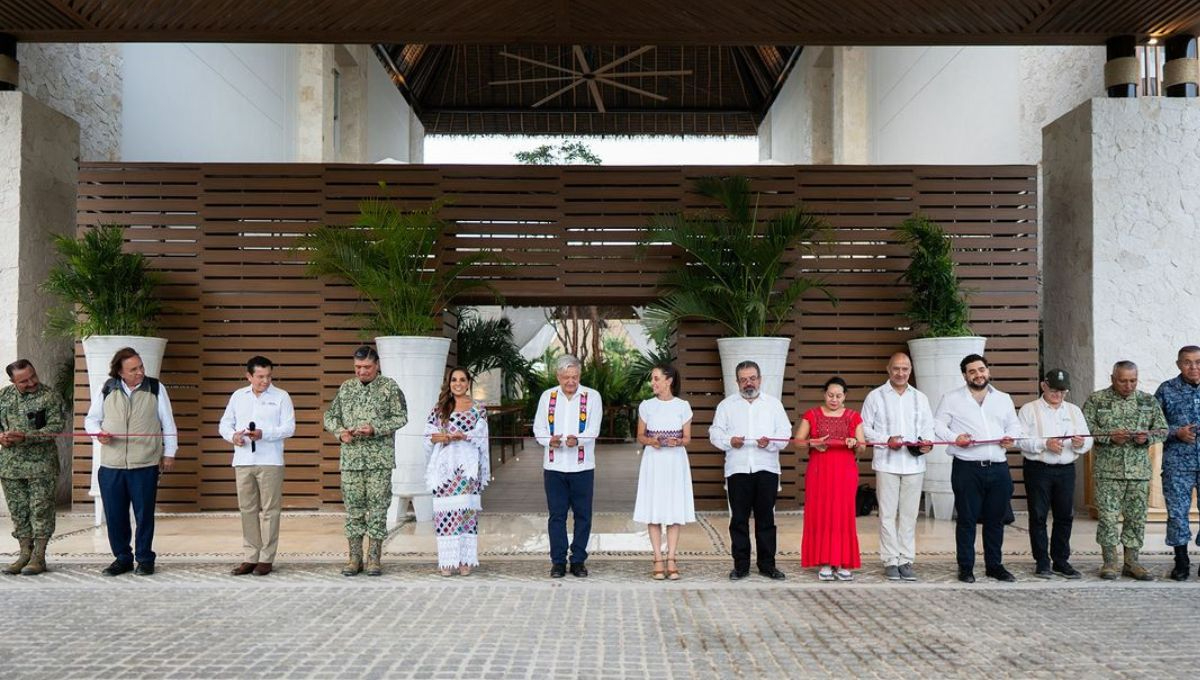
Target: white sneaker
844 575
826 574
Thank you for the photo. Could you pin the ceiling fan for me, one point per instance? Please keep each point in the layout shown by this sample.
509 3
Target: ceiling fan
592 76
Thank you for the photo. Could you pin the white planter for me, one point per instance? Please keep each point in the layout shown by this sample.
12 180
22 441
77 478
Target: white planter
418 365
770 354
935 372
98 351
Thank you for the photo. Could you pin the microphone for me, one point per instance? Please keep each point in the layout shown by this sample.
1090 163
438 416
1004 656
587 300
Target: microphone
251 429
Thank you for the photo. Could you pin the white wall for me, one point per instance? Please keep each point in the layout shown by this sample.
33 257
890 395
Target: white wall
944 105
387 117
803 106
209 102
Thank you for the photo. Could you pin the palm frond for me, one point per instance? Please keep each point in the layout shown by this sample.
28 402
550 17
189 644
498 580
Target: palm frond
740 272
389 256
937 303
487 344
102 290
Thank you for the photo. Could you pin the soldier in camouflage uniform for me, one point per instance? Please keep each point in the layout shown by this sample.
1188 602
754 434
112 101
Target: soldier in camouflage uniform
29 463
364 416
1126 423
1180 400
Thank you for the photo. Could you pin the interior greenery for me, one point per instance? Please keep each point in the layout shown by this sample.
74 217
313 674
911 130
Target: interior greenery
937 303
388 255
742 271
103 290
487 344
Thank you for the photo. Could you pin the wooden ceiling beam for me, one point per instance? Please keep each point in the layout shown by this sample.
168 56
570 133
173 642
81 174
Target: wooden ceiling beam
621 22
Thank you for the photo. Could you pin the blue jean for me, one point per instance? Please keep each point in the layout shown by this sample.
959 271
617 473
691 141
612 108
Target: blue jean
569 491
118 490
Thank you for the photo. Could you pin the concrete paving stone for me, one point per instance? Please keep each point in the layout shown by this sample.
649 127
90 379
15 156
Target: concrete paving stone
508 620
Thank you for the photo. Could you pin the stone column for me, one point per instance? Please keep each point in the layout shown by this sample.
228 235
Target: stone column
850 127
314 105
1121 215
39 167
416 138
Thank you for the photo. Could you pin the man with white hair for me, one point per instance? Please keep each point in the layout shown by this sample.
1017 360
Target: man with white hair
566 425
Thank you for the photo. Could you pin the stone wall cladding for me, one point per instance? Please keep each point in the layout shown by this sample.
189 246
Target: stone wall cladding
82 81
1122 210
1146 203
1054 80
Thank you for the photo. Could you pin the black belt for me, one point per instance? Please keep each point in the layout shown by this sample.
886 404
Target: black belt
1035 463
981 463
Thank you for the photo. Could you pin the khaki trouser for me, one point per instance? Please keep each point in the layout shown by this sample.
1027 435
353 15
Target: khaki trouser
899 501
260 499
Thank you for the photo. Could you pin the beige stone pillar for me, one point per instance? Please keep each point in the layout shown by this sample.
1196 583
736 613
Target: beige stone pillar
39 168
416 139
850 106
314 104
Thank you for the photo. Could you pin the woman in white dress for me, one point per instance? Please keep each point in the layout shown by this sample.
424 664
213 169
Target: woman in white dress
458 467
664 495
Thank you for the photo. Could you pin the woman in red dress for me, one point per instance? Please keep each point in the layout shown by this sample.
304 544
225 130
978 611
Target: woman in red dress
830 538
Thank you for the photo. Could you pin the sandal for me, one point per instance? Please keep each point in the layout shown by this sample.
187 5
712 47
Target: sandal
672 574
658 574
464 570
446 572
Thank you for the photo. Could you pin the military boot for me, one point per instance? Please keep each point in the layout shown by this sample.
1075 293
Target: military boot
38 563
374 557
1134 570
23 558
354 564
1182 564
1109 571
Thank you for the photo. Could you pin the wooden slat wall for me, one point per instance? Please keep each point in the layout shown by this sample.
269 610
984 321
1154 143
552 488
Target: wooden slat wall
221 234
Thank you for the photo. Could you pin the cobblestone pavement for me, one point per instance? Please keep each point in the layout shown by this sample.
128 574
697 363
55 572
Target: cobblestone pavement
190 620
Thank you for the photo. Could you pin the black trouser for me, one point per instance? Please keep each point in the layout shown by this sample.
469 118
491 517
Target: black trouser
752 493
1050 488
981 492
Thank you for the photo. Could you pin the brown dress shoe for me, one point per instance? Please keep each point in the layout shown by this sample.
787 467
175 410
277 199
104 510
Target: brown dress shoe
262 569
242 569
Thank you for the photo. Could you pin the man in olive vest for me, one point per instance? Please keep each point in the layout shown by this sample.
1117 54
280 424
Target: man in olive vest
132 420
30 415
364 416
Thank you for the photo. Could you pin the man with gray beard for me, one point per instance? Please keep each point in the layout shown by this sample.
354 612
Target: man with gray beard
751 428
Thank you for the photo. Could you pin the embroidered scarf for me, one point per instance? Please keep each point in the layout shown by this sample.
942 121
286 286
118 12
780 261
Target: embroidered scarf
583 416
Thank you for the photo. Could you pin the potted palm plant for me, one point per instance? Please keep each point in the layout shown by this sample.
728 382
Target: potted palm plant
938 310
109 301
741 273
388 256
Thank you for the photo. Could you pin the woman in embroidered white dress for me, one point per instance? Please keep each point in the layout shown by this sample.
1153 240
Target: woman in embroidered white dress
458 467
664 495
